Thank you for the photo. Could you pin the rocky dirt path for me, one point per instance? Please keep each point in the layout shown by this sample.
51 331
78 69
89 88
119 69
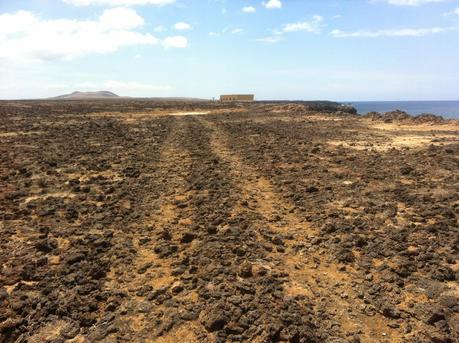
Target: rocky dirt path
239 296
193 265
149 310
310 273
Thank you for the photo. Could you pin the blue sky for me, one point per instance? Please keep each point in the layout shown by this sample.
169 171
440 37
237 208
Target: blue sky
278 49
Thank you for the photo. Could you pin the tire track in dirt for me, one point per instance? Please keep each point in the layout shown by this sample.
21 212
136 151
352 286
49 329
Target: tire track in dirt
239 299
149 310
311 274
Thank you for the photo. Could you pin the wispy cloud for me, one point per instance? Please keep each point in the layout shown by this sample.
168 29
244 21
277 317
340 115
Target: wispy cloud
306 26
272 4
175 42
271 39
408 2
227 30
24 35
312 26
119 2
159 28
407 32
452 13
249 9
237 30
181 26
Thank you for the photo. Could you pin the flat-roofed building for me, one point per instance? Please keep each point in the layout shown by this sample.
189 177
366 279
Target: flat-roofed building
237 97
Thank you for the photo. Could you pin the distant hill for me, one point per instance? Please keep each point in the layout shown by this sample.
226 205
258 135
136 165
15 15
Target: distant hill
110 95
87 95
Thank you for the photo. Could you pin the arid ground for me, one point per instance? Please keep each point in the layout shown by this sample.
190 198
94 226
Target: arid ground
134 221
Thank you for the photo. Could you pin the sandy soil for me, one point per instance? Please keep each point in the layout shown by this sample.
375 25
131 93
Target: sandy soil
185 222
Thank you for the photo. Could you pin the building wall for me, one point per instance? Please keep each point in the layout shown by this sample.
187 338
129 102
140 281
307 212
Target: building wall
237 97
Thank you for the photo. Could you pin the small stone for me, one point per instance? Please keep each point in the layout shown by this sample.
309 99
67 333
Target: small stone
177 287
144 268
179 270
311 189
390 312
70 330
3 294
74 258
215 321
111 307
112 329
144 307
277 240
245 270
212 230
187 237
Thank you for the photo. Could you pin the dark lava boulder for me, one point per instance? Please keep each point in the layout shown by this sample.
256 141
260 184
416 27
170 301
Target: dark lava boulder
215 320
396 115
428 118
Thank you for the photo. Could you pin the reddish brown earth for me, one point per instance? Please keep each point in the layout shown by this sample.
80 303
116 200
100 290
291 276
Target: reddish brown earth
121 222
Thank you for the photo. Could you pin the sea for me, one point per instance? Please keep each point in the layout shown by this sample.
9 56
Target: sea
446 109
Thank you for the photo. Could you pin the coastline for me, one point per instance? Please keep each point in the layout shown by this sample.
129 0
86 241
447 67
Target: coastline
448 109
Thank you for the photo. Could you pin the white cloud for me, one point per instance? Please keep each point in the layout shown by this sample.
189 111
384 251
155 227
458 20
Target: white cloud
307 26
25 36
453 12
181 26
120 18
159 28
115 3
271 39
175 42
312 26
227 30
410 2
391 32
15 23
271 4
249 9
